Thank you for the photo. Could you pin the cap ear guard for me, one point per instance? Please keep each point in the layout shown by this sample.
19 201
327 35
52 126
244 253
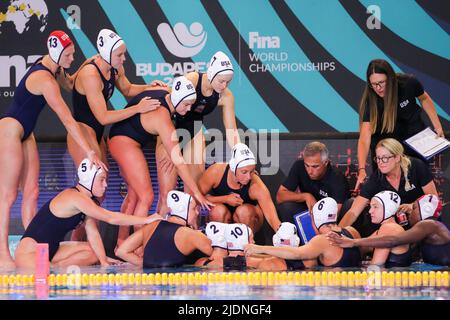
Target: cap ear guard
430 206
57 42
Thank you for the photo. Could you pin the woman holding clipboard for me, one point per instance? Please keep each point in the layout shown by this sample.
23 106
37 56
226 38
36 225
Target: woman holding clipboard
388 109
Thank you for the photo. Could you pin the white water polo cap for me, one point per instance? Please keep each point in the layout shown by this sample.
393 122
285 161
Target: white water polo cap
56 43
429 206
219 64
182 89
390 202
325 212
216 232
286 236
241 156
178 202
87 174
107 42
238 236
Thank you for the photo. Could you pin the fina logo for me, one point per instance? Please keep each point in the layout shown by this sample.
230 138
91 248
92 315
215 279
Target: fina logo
181 41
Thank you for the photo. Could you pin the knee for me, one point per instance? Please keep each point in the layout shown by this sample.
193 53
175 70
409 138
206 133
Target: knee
246 214
146 197
8 197
219 213
31 194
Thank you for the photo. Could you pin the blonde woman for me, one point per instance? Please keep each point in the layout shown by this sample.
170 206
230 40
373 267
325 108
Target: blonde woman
388 109
409 177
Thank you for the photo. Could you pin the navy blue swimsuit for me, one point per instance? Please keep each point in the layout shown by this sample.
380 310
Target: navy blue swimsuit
26 106
82 111
48 228
351 257
161 250
294 264
132 127
435 254
223 189
399 260
201 107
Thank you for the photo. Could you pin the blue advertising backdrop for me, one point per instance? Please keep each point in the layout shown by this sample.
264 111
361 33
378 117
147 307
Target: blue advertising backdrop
299 64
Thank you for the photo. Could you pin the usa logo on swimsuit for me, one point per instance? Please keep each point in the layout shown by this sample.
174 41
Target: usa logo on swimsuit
181 41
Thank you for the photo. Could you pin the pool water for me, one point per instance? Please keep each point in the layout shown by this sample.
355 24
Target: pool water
417 282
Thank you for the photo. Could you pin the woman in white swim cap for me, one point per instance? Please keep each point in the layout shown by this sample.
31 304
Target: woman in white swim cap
212 90
127 138
19 159
93 87
67 211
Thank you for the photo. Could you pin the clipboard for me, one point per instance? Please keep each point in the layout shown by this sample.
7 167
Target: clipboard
427 144
304 226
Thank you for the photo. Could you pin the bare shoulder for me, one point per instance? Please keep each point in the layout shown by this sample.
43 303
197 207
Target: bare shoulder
390 229
88 71
41 79
217 168
193 77
256 184
353 232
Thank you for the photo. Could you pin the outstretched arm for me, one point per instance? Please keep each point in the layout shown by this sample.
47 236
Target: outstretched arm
92 85
312 250
89 208
130 90
229 118
260 193
428 106
365 132
417 233
353 213
169 139
50 90
95 240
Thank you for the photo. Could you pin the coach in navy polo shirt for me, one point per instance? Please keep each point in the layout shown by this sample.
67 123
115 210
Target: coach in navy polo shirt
310 179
